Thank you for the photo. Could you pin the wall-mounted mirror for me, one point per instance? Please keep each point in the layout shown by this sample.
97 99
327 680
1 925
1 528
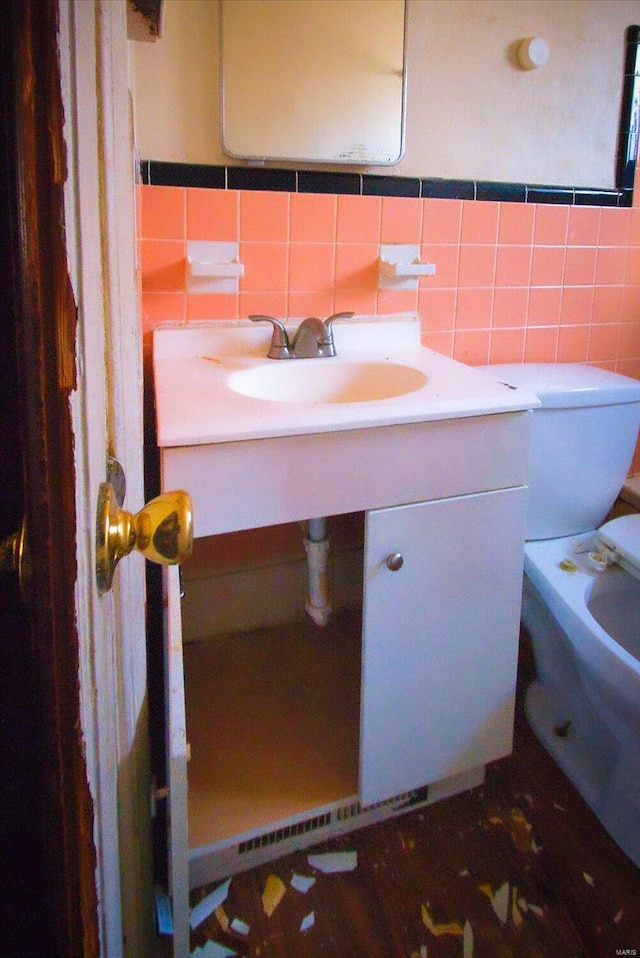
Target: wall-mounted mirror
313 80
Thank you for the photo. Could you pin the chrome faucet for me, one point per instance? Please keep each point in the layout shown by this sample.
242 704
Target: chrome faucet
313 338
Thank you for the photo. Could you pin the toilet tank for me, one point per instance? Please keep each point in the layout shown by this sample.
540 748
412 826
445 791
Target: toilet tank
583 440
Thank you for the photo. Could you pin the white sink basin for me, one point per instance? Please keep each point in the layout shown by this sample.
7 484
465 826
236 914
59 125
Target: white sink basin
215 384
327 381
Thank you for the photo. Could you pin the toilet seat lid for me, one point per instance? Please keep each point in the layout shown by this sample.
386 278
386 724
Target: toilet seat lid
623 536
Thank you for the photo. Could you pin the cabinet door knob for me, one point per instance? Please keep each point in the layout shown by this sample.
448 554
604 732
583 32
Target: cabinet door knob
394 561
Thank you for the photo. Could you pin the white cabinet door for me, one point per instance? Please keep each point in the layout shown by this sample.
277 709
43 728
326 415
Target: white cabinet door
176 751
440 639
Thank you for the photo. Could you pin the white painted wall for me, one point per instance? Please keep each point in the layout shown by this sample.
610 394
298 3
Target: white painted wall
472 113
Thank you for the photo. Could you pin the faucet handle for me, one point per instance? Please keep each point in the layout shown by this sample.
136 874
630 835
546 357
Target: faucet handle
279 348
329 322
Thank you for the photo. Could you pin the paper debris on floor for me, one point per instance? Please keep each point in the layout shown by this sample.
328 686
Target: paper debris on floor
516 917
221 915
501 903
213 950
308 921
273 893
331 862
486 890
444 928
520 830
467 941
302 883
589 880
209 904
239 926
163 912
618 916
408 844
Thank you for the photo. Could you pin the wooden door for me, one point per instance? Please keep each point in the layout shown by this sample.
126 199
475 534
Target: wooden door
47 845
440 639
74 692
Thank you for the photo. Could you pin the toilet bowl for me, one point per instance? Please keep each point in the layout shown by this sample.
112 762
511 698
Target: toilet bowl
581 586
585 702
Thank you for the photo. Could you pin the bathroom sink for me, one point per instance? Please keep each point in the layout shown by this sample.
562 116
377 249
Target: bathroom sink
259 441
327 381
215 383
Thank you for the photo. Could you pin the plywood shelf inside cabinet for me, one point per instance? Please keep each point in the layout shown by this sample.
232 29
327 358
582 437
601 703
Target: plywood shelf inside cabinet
273 725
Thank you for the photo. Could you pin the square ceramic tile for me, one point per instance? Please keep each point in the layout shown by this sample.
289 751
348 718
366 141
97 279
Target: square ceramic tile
510 306
544 306
515 226
507 345
442 221
162 266
359 219
471 346
401 220
479 222
313 218
513 265
264 217
541 345
162 212
477 266
550 225
311 266
213 215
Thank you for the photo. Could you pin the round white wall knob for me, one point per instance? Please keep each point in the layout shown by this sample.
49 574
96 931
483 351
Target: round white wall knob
533 52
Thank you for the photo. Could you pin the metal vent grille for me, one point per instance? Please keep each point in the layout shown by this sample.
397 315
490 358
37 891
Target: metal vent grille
342 814
407 800
281 834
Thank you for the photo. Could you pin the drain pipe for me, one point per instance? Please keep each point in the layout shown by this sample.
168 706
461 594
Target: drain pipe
316 544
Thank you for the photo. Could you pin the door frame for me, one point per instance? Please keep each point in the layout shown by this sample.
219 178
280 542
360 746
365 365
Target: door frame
106 407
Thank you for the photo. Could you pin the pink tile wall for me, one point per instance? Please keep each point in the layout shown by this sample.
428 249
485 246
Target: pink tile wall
515 282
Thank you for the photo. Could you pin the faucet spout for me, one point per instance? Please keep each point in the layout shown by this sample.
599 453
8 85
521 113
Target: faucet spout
314 338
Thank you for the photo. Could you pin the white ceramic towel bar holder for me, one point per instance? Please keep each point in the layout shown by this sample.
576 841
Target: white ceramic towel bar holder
400 266
213 267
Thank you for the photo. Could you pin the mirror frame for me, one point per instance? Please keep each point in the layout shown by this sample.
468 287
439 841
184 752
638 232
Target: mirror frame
325 161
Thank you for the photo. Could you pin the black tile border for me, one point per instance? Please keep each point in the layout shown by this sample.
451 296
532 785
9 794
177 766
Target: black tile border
261 178
158 173
183 174
389 185
312 182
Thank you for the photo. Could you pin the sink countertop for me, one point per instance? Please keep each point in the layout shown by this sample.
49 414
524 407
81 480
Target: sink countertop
195 404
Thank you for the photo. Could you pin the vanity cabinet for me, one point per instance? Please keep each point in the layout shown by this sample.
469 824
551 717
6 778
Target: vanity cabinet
278 741
439 651
435 671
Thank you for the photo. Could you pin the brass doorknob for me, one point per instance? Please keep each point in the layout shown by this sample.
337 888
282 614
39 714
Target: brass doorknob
162 531
15 558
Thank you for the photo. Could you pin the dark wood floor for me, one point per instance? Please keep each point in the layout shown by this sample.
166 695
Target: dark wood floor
521 861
